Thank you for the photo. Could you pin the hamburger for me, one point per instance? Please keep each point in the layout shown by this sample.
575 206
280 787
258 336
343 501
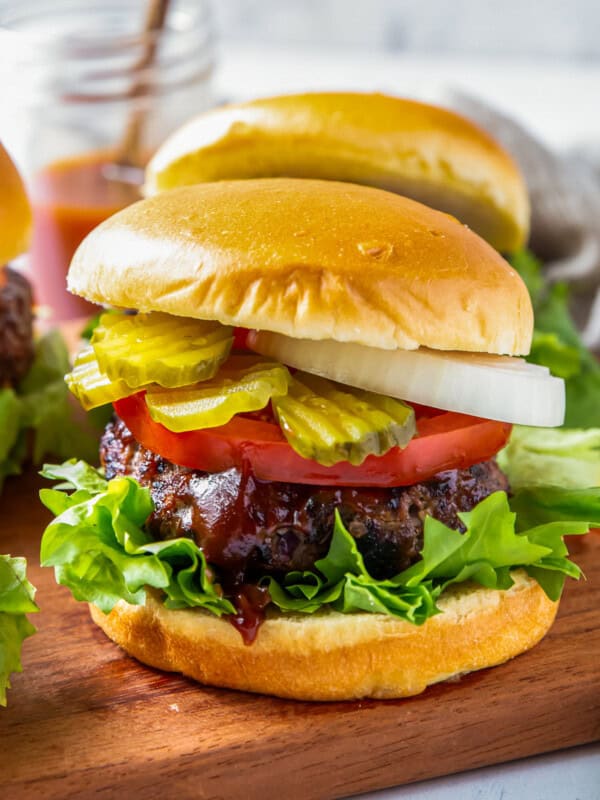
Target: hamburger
16 317
298 494
427 153
16 359
35 416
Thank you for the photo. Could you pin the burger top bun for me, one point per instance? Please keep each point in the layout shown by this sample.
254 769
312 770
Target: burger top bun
312 260
427 153
15 211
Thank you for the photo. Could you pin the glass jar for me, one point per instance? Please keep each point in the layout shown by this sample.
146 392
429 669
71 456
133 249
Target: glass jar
92 88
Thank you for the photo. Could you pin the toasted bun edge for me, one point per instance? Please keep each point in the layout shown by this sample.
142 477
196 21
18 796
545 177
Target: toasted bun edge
312 260
334 656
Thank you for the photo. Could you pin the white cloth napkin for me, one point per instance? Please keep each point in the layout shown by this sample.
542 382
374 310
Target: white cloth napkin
565 201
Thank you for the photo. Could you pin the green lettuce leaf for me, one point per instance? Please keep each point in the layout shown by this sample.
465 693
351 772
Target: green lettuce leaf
46 408
547 513
91 325
565 457
99 549
530 269
486 553
341 580
10 415
16 600
11 444
558 346
39 413
543 505
483 553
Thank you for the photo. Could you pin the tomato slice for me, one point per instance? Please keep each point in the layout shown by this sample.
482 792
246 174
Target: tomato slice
445 441
239 338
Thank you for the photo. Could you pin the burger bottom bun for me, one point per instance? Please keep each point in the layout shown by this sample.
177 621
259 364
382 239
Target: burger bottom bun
334 656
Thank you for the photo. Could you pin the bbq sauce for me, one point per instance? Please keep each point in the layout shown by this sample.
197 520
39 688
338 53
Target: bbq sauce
70 198
250 602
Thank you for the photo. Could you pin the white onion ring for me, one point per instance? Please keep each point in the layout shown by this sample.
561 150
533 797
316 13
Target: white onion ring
495 387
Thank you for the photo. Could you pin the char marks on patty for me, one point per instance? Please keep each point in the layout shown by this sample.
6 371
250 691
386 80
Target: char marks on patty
250 527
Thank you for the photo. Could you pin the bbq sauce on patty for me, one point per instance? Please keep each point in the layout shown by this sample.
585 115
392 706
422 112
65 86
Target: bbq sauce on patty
250 528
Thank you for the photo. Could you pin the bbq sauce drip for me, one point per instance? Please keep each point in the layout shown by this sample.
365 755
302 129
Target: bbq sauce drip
249 529
250 602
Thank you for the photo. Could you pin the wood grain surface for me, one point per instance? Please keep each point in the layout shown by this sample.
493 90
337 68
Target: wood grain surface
86 721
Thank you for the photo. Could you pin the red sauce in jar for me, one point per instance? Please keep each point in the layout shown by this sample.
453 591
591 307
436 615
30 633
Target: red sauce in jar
70 198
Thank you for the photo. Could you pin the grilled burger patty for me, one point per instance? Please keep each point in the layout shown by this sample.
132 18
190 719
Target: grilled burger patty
251 527
16 327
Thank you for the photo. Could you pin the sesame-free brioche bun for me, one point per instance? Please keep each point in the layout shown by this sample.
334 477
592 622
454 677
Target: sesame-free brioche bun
418 150
15 212
312 260
335 656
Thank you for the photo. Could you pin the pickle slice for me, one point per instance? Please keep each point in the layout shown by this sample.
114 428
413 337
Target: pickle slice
160 348
244 383
328 423
91 386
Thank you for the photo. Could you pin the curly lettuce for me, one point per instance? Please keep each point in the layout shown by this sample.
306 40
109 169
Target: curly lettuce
566 457
486 553
99 549
16 600
37 418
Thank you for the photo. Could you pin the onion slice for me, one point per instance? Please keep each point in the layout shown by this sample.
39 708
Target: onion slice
496 387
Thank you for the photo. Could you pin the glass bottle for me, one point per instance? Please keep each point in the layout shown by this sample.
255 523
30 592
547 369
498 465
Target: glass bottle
92 88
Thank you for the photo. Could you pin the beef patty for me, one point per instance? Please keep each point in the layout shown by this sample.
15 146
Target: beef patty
251 527
16 327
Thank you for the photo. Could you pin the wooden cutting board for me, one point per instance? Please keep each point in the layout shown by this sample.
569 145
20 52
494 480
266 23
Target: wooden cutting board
84 720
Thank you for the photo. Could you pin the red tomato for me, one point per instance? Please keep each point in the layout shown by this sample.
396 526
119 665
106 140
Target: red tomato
239 338
445 441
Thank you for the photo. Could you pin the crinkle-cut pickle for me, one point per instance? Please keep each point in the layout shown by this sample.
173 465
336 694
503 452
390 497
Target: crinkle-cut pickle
329 423
160 348
90 385
244 383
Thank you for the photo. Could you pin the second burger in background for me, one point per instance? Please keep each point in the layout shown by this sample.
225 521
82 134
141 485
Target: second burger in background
424 152
16 314
16 359
35 417
333 495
